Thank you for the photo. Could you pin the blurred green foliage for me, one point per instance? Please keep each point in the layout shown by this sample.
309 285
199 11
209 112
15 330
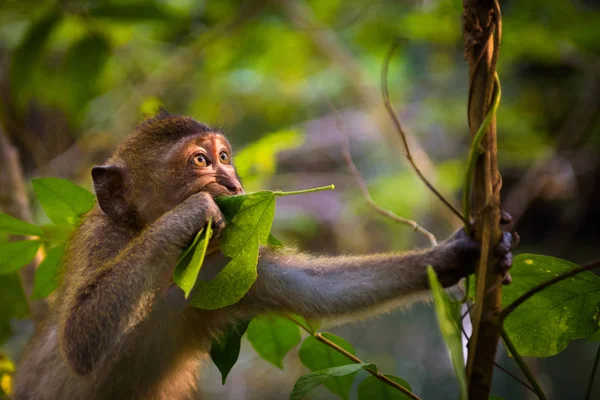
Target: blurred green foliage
71 71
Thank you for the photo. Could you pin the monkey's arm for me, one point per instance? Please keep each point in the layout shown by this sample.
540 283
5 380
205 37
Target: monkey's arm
102 306
320 287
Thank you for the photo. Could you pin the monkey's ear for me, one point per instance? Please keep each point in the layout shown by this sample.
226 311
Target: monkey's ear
110 191
162 113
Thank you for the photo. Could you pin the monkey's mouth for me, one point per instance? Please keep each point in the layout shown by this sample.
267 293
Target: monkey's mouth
216 189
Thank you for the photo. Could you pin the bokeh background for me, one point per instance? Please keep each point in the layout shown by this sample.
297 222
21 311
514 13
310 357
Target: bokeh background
290 81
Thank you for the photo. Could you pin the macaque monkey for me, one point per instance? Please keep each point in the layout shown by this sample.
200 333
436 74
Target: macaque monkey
119 328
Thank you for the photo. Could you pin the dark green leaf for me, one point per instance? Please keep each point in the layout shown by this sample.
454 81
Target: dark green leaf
492 397
448 315
545 324
317 356
225 351
15 255
186 273
595 337
128 12
63 201
274 242
13 304
46 274
373 389
31 48
16 226
273 337
310 381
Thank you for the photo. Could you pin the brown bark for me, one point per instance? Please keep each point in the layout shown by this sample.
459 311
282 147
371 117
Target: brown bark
14 201
481 32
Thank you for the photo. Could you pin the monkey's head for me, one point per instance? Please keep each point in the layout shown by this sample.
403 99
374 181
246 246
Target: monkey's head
165 160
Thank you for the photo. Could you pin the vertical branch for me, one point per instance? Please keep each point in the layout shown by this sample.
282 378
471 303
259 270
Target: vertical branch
481 33
14 201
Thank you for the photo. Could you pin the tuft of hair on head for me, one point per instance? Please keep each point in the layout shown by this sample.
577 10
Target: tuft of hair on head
166 127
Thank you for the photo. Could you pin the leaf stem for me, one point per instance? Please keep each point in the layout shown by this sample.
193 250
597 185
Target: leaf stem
347 354
317 189
588 392
522 365
476 150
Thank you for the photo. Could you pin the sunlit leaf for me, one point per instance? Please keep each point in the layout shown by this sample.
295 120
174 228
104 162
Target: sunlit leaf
225 351
310 381
273 337
448 315
15 255
16 226
547 322
186 272
373 389
317 356
13 305
230 285
274 242
46 274
62 200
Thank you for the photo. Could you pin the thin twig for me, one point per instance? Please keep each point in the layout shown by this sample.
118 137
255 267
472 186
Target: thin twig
362 185
396 121
476 150
357 360
524 368
588 392
535 290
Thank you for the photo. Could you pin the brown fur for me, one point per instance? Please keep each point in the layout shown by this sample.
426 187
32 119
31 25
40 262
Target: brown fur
119 328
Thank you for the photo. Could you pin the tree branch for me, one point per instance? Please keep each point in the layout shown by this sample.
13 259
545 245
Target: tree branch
357 360
482 32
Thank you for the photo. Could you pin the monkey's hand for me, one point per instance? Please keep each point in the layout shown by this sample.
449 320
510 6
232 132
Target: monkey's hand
460 253
194 213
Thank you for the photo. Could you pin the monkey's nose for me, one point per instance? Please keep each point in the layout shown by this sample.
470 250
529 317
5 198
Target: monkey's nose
233 187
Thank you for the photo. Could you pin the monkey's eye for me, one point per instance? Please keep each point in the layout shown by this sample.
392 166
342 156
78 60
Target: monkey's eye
224 158
199 160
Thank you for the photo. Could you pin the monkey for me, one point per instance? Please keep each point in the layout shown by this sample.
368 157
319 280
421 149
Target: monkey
118 327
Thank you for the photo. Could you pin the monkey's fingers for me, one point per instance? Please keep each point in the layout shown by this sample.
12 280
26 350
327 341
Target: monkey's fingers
504 252
505 218
218 224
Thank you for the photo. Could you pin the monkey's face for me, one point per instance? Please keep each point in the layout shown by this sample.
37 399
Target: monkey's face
206 166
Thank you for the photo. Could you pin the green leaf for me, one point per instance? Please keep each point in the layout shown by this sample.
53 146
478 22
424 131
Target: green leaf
6 365
232 283
273 337
317 356
13 305
63 201
254 217
547 322
310 381
128 12
373 389
448 315
595 337
186 273
16 226
15 255
458 5
225 351
29 51
46 274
